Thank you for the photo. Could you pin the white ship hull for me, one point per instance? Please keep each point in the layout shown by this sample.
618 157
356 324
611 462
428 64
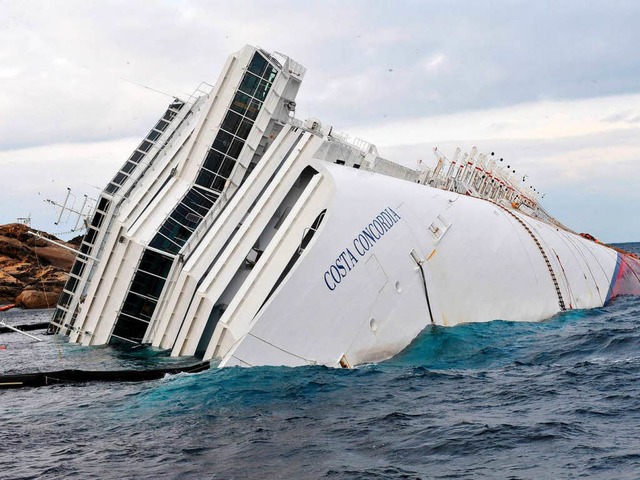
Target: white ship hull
238 233
358 294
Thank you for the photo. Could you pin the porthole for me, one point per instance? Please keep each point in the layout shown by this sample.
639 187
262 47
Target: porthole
373 325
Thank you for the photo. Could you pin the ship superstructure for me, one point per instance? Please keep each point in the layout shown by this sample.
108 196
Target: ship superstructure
237 232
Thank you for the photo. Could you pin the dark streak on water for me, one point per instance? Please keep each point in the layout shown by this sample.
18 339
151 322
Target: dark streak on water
558 399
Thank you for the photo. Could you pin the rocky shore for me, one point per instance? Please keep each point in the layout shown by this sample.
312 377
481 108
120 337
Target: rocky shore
32 270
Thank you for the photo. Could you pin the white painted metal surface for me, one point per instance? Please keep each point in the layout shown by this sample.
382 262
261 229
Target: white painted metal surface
313 250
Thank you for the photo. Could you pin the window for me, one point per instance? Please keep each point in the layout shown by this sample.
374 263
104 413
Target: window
78 268
235 148
129 167
90 236
244 129
222 141
103 204
153 135
240 103
161 125
145 146
249 84
231 122
213 161
258 64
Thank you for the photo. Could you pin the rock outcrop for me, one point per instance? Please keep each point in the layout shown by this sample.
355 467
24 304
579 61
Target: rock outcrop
32 270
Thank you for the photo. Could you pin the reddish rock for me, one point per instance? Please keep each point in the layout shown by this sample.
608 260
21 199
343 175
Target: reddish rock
37 299
32 270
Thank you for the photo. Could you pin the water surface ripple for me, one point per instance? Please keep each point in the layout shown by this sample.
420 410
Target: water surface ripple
557 399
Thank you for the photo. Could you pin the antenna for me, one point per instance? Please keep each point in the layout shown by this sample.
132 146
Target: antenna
68 211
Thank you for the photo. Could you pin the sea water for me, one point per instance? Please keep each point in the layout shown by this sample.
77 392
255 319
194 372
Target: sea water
557 399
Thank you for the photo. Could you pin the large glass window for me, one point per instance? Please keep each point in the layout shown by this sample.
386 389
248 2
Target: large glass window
131 329
161 125
78 267
240 103
65 299
129 167
249 84
244 129
90 236
153 135
145 146
155 263
253 109
97 219
231 122
258 64
178 227
235 148
222 141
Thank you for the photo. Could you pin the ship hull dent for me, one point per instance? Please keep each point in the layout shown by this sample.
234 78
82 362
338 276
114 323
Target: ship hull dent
358 295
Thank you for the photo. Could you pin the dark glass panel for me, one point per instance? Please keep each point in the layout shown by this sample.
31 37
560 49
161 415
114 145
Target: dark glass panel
137 156
249 84
179 233
119 178
222 141
253 109
145 146
168 116
90 236
227 167
236 148
103 204
181 215
97 219
258 64
213 161
148 285
245 128
161 125
72 284
156 263
231 122
163 243
270 74
262 90
78 268
59 315
206 197
129 167
172 230
139 307
240 103
218 184
130 328
205 178
153 135
197 202
65 299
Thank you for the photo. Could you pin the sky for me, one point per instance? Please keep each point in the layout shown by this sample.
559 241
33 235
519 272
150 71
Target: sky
552 87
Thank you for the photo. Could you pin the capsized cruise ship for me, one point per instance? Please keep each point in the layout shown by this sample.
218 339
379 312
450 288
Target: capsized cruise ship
237 232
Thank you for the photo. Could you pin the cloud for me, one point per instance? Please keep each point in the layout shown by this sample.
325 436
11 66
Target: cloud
74 58
36 174
531 80
536 120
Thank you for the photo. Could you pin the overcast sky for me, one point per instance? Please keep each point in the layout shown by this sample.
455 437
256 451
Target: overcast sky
553 87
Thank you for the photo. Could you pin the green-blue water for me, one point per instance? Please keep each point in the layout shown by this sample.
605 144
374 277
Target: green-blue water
557 399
